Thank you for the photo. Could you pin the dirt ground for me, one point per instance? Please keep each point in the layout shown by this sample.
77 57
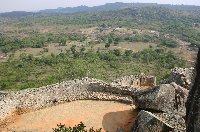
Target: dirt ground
107 115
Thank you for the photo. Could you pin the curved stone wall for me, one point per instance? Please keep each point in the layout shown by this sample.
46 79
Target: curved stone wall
83 89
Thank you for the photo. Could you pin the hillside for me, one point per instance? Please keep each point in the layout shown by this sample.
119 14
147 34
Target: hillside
106 45
79 9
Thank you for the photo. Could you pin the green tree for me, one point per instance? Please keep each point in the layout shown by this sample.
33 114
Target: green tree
117 52
169 43
110 40
62 41
82 50
107 45
73 49
128 53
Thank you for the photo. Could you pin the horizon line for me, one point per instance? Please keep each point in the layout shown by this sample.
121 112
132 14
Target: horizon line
95 6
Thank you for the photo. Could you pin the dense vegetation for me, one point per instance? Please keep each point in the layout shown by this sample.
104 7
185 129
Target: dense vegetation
29 71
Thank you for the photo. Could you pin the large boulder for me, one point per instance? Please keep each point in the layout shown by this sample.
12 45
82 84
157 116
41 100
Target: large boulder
148 122
169 98
158 122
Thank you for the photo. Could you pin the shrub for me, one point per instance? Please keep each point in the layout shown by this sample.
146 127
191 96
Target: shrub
128 52
169 43
107 45
77 128
117 52
45 50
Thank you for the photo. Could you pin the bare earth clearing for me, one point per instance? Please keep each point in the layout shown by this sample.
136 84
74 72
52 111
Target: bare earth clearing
108 115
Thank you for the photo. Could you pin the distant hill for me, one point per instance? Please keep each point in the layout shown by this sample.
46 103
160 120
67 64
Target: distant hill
106 7
16 14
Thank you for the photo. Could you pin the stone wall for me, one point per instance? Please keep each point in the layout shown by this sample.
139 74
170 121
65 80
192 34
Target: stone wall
135 81
83 89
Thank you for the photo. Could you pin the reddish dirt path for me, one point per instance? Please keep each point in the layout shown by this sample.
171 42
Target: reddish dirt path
101 114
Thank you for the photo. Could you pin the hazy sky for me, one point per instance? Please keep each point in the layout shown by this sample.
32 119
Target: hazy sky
34 5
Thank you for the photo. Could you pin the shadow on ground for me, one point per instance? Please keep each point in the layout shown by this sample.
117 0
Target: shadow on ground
121 119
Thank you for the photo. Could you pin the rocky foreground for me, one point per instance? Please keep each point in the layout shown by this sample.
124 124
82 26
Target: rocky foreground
162 107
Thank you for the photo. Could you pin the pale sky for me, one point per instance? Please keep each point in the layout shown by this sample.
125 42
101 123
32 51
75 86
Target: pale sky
35 5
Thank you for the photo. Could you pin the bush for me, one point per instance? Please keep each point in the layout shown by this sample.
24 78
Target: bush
128 52
116 43
45 50
117 52
107 45
77 128
169 43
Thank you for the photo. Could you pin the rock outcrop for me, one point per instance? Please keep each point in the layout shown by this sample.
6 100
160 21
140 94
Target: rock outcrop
181 76
169 98
193 102
148 122
158 122
163 107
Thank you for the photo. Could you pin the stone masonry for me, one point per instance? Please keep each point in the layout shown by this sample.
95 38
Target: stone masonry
135 81
67 91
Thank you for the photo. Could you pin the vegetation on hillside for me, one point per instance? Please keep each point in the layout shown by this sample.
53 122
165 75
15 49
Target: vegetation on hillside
29 71
163 26
177 24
